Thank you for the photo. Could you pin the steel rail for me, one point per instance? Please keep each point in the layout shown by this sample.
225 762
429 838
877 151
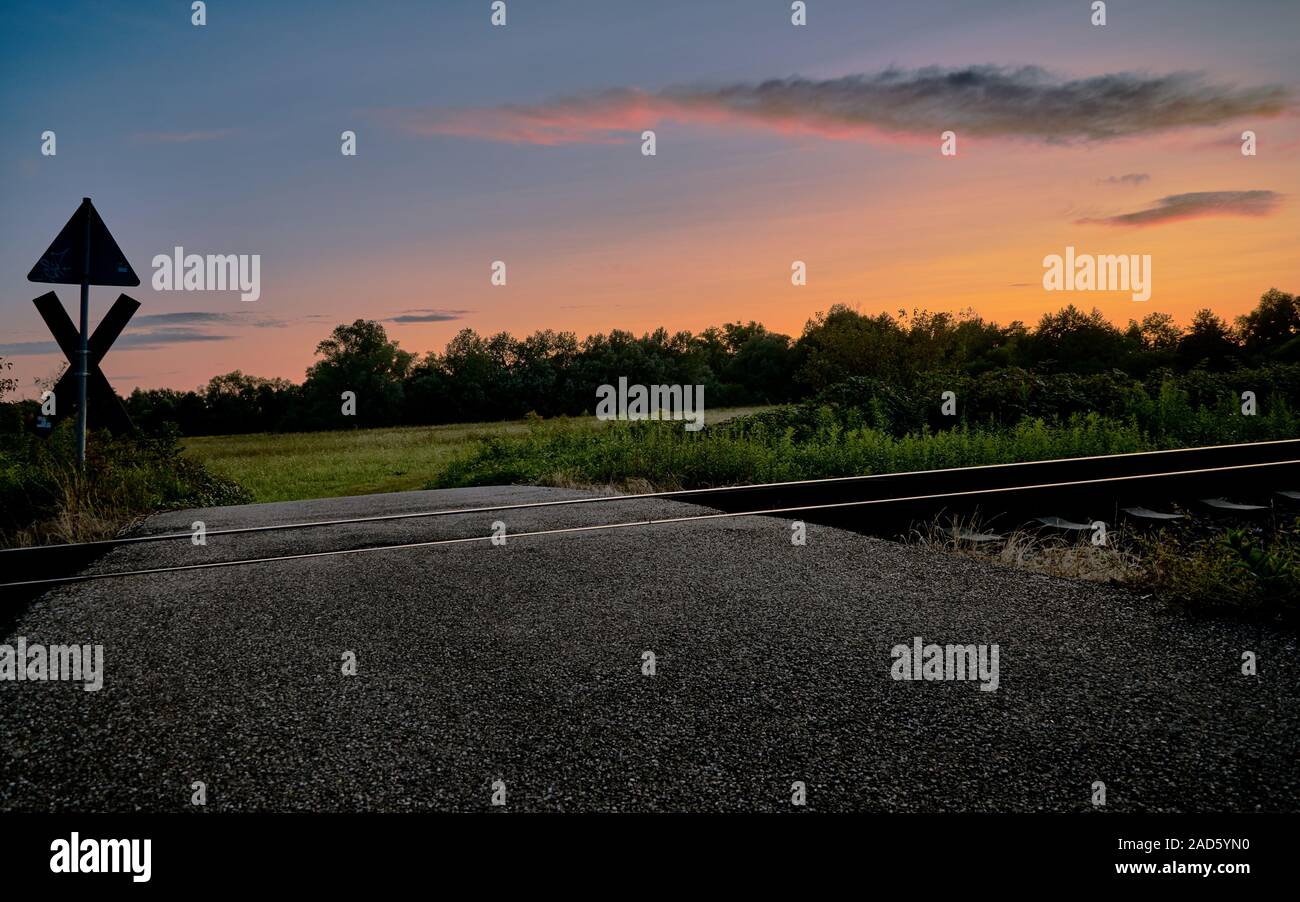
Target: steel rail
640 496
87 577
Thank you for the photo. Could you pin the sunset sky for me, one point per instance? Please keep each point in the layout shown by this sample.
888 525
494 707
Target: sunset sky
775 143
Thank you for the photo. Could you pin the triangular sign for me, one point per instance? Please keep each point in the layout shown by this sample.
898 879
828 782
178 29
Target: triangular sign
65 261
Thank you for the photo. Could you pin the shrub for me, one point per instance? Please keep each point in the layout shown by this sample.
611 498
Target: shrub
45 497
1231 571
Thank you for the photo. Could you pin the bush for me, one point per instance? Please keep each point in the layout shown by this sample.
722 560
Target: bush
1233 571
44 497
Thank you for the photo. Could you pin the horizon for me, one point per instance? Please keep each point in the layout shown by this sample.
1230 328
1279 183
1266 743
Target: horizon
774 144
794 336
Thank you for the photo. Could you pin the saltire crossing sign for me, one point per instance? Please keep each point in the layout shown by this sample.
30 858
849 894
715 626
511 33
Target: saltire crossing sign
84 253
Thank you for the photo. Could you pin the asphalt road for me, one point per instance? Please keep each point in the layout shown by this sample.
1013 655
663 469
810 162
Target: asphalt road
524 664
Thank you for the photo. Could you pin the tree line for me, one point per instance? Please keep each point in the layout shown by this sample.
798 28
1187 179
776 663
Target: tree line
477 378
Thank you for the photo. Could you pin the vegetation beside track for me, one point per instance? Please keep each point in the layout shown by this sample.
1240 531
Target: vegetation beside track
1250 568
848 433
45 498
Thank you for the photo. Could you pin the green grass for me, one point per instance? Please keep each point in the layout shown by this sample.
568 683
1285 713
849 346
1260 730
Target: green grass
300 465
46 498
294 466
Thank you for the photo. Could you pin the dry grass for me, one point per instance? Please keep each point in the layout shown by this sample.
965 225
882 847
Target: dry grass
1036 550
564 479
74 522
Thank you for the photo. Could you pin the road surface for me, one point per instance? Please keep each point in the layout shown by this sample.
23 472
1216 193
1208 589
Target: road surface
524 664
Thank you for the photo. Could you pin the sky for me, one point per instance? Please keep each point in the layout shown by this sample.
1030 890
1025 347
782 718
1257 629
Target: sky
522 143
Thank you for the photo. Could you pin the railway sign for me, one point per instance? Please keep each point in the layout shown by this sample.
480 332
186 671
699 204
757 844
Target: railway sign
85 253
106 407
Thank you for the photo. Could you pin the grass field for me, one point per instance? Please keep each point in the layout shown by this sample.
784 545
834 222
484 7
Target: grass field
301 465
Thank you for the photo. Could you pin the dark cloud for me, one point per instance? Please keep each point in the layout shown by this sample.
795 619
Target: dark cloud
184 137
156 330
156 338
161 337
28 348
426 315
193 318
208 318
266 322
989 101
1195 205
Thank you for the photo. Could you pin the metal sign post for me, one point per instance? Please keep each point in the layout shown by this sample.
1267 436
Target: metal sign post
83 348
84 253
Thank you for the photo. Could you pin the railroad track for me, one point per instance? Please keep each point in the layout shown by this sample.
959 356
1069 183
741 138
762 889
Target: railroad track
1051 491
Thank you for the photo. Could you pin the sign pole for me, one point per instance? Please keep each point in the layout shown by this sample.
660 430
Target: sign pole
83 349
